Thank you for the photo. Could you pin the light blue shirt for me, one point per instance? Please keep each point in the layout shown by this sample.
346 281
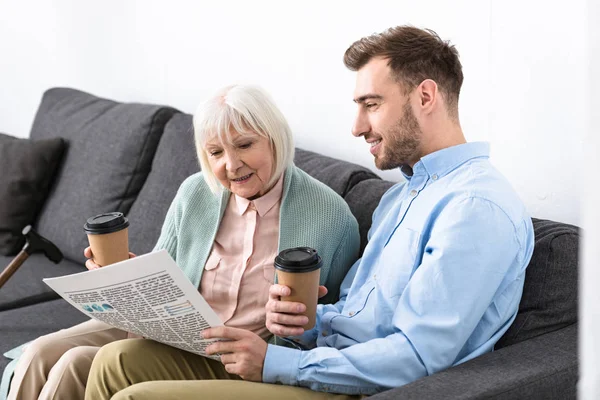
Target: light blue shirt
438 284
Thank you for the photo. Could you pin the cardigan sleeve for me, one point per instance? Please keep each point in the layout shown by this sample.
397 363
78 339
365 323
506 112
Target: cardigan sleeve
169 232
343 258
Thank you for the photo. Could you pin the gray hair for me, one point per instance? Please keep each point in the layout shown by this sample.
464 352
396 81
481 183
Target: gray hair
244 109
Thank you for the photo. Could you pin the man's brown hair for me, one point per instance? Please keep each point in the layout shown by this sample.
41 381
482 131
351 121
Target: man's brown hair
414 55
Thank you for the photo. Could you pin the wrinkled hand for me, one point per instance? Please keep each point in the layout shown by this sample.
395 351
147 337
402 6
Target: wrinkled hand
284 317
243 355
90 264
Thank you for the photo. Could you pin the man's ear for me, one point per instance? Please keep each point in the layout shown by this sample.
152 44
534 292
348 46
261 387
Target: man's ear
428 95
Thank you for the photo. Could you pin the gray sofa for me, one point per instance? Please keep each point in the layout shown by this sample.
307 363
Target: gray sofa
132 158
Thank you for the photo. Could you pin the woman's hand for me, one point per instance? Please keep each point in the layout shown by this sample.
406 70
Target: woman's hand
284 317
243 354
90 264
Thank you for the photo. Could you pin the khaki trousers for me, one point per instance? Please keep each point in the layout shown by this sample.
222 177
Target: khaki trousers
56 366
143 369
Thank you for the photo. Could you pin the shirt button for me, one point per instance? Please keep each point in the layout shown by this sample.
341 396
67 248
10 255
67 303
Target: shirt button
413 193
434 177
324 333
351 313
375 276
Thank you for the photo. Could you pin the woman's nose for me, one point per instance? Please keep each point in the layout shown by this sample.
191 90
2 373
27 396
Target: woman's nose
233 162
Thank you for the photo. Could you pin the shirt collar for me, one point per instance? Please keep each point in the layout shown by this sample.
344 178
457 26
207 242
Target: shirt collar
264 203
444 161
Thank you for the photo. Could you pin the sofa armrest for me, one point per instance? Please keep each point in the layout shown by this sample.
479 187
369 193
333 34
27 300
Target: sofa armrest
544 367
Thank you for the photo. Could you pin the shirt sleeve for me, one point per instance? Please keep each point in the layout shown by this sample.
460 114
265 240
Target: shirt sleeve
308 338
470 250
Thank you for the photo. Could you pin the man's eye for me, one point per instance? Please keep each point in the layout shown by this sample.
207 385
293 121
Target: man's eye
370 105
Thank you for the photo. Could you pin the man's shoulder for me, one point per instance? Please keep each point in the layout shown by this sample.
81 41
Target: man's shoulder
473 190
479 195
481 182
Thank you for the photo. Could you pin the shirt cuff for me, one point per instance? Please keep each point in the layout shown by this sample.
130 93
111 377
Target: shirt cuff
281 365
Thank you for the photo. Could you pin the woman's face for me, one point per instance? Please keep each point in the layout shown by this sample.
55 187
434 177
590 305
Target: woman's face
245 166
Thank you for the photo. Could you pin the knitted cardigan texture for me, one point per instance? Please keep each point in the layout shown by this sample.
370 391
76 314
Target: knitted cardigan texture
311 214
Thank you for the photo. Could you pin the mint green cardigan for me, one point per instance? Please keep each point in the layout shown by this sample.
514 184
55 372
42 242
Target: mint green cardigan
311 214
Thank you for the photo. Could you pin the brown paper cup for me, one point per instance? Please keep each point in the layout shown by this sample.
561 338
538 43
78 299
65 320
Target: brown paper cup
110 248
305 289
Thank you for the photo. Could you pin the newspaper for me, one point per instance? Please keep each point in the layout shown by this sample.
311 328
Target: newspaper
147 295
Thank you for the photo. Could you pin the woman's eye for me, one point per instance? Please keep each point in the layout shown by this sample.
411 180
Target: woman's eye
215 153
245 146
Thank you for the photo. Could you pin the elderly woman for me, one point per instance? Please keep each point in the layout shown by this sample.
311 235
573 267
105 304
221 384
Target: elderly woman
224 229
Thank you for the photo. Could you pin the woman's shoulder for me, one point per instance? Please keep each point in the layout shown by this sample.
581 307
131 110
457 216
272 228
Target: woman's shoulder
194 186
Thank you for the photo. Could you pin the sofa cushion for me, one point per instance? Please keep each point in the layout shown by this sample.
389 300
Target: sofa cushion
543 368
362 200
339 175
26 287
27 323
28 168
111 146
549 299
174 161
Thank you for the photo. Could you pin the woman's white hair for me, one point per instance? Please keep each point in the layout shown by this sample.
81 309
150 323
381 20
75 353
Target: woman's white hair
245 109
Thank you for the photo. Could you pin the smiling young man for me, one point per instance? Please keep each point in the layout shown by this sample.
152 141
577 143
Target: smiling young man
442 275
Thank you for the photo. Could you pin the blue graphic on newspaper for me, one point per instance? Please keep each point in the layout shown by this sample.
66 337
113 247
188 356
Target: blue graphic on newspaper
97 307
179 308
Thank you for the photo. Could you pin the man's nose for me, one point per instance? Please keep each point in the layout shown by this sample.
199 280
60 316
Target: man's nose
361 124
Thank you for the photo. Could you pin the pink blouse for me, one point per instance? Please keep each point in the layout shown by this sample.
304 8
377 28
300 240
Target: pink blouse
239 269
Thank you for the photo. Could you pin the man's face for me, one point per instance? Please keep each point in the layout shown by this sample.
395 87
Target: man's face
385 117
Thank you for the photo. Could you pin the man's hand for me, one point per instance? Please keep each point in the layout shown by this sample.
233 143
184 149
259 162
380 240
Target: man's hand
284 317
244 354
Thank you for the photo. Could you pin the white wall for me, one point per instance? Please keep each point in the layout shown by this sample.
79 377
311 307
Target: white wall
589 331
523 65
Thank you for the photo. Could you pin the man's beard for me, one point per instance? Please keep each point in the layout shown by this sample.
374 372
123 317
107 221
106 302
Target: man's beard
401 142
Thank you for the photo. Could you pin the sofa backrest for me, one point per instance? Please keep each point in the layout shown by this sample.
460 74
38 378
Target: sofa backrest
110 150
549 299
339 175
175 160
132 158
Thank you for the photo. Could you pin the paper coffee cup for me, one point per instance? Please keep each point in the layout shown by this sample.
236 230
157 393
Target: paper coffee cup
299 268
107 234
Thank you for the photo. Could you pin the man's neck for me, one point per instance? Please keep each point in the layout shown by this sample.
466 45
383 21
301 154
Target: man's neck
441 137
